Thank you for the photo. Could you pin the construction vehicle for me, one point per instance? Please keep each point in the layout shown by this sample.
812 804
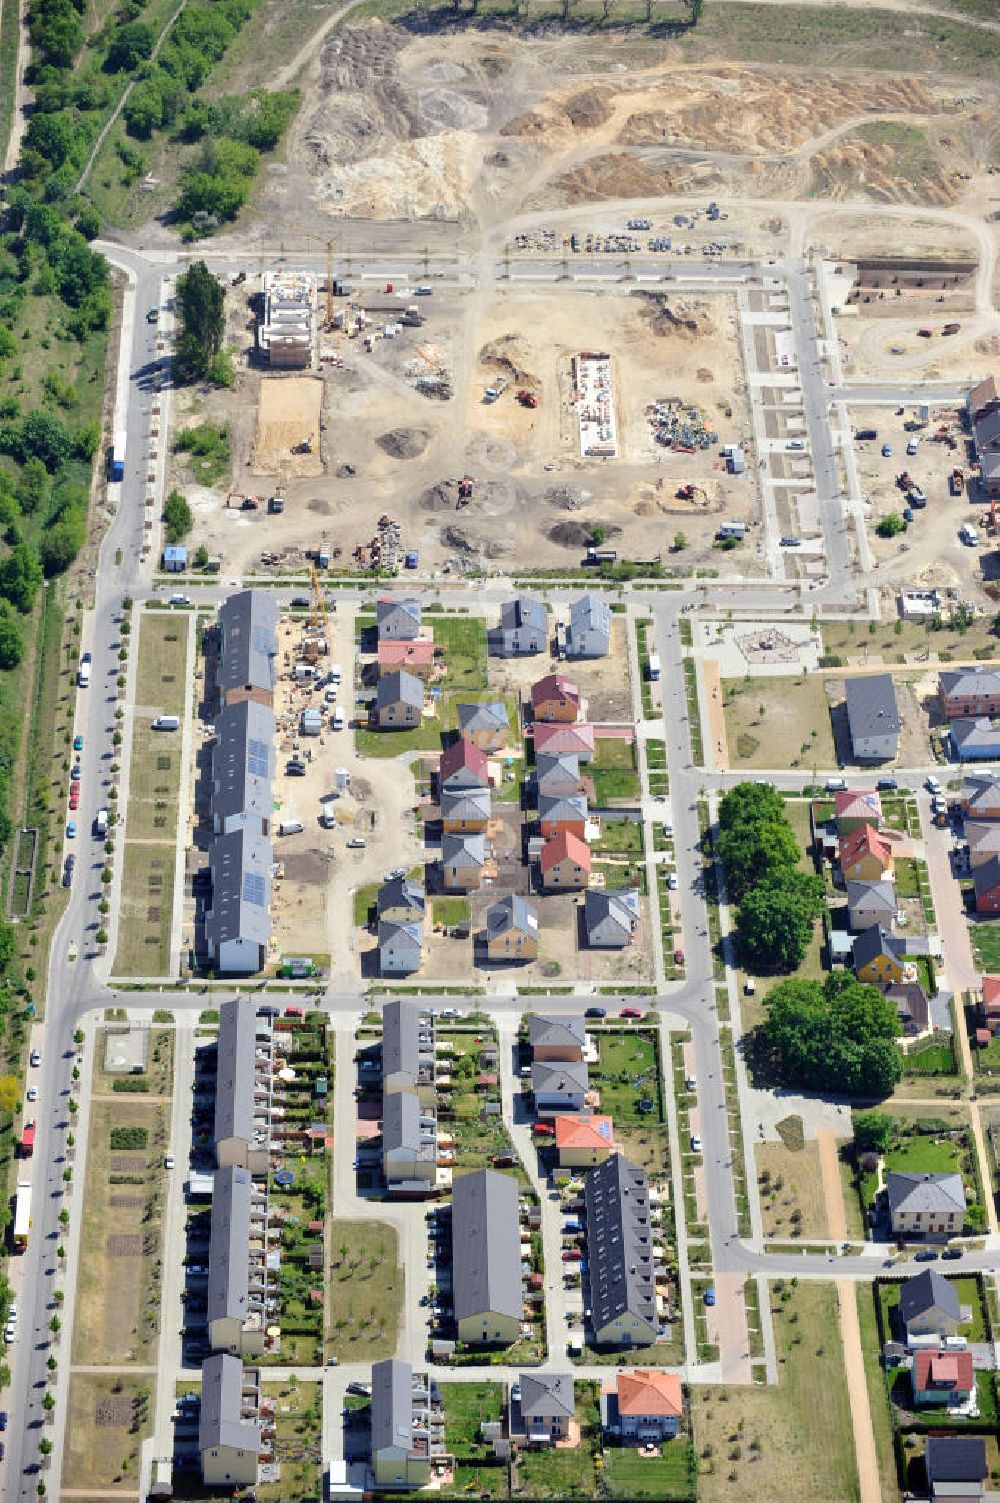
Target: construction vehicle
956 482
951 328
904 481
691 492
465 487
925 333
305 447
527 398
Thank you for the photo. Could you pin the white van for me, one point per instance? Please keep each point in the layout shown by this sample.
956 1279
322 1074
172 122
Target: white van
338 718
835 785
290 827
166 723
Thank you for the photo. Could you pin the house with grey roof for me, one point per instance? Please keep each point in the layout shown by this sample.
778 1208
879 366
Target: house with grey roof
956 1467
237 1281
557 1037
980 796
929 1306
870 903
557 775
559 1086
486 724
399 701
465 809
975 740
243 1083
925 1205
401 1440
229 1439
488 1297
969 692
243 768
523 630
912 1004
247 666
562 814
463 858
409 1143
589 634
407 1046
873 717
542 1408
400 946
877 956
238 918
401 897
610 918
398 620
983 839
621 1275
512 929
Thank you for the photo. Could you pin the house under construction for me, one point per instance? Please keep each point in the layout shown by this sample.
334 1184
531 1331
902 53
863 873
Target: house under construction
285 337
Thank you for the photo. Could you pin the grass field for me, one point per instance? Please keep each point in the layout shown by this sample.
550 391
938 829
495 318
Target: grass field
778 722
790 1183
102 1450
878 1399
619 837
365 1291
146 910
466 1407
450 911
117 1306
628 1474
163 657
462 639
154 785
614 770
985 936
795 1455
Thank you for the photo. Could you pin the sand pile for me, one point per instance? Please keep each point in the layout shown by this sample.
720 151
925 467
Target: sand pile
508 354
678 318
403 443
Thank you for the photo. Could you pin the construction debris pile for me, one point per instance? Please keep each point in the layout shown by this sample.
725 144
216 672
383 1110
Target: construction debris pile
682 429
384 549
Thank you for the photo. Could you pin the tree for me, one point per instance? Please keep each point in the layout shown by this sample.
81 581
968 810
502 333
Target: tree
63 541
838 1036
131 45
891 525
177 517
200 307
20 576
34 486
755 840
775 919
11 640
874 1132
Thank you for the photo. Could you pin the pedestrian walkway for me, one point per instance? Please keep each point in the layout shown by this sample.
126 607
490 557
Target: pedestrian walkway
833 1190
716 728
857 1393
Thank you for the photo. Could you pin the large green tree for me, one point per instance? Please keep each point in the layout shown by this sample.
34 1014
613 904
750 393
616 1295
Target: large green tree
775 918
200 305
838 1036
755 841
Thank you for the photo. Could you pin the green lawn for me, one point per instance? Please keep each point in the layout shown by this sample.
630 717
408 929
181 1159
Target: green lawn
614 770
364 902
154 784
985 935
466 1406
424 737
569 1473
619 837
450 911
365 1290
626 1073
934 1057
162 666
462 641
627 1474
145 911
878 1398
969 1294
922 1154
906 877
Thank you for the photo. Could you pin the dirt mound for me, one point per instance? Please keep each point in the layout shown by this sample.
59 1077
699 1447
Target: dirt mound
678 318
463 540
532 123
321 508
612 175
403 443
588 109
507 354
566 497
988 345
579 534
704 375
440 497
890 171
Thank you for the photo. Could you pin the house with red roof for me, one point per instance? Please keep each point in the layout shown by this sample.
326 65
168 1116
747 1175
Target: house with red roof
854 807
989 1007
584 1141
565 863
555 698
642 1406
866 856
942 1377
556 737
463 765
417 656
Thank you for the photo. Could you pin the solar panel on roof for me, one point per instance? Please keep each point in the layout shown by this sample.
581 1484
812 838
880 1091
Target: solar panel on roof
257 758
254 889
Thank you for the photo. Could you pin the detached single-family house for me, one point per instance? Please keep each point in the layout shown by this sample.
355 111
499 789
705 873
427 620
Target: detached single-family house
980 798
555 698
854 807
942 1377
642 1407
925 1205
565 863
562 815
986 885
488 1297
228 1441
610 918
416 657
620 1277
401 1455
558 776
929 1306
542 1408
523 629
559 1086
486 724
956 1467
463 765
975 740
401 897
557 1038
462 860
583 1141
969 692
989 1006
865 855
399 701
512 929
983 839
589 634
913 1008
398 620
465 810
870 903
400 946
877 956
873 717
552 738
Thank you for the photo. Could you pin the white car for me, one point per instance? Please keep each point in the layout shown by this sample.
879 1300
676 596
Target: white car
32 1093
356 843
795 444
450 1012
932 785
695 1142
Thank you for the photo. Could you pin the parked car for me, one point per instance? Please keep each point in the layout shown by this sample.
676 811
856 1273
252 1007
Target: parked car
630 1012
32 1093
572 1254
709 1296
71 829
678 957
78 743
886 785
952 1252
596 1012
295 768
695 1142
356 843
932 785
926 1255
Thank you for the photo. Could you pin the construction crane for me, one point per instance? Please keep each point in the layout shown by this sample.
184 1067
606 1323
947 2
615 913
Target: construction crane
301 230
317 616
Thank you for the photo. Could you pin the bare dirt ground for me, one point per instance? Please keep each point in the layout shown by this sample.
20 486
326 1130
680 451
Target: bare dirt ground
288 415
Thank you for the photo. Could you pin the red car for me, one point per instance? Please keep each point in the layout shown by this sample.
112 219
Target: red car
542 1130
678 957
293 1012
74 796
572 1255
630 1012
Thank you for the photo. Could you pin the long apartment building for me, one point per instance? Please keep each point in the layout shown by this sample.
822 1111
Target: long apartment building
244 1083
620 1252
409 1117
486 1258
239 1301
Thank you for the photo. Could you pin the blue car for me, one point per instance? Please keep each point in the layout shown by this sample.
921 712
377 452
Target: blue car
78 743
596 1012
710 1296
71 830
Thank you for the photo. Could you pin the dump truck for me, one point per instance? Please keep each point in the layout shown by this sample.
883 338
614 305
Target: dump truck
956 482
527 398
